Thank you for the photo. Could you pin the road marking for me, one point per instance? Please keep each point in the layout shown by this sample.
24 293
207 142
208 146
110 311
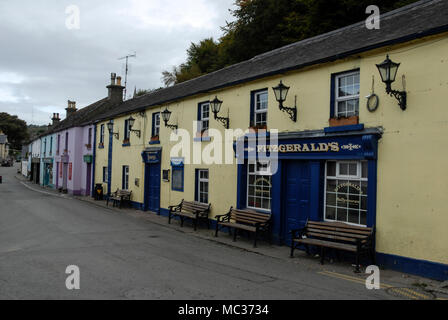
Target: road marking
349 278
404 291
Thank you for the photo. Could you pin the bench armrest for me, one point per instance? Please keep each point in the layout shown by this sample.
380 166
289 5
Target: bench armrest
175 208
297 233
223 217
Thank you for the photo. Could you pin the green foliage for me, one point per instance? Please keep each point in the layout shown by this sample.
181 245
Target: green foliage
264 25
14 128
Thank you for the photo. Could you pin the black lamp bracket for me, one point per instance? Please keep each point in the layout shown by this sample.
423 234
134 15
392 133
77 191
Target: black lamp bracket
292 112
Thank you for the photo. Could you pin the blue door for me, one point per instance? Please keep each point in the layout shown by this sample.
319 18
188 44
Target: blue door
297 197
152 187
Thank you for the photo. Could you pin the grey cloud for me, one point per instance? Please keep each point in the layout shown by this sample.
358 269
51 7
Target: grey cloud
55 64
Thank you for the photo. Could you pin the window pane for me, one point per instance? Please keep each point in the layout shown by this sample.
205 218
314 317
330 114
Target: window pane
331 169
341 214
177 179
353 216
330 213
343 169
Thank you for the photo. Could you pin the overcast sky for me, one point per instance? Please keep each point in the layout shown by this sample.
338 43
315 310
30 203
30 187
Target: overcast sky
43 63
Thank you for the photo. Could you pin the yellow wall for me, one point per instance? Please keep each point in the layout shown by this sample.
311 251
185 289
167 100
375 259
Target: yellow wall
411 210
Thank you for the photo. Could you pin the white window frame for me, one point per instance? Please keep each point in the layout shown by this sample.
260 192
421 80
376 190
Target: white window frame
259 173
345 98
260 111
126 177
204 180
156 124
202 118
338 176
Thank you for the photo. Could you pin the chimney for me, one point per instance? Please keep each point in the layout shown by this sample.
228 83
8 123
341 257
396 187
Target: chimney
55 119
71 108
115 89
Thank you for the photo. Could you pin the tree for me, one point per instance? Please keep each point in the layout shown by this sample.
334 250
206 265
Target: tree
15 129
264 25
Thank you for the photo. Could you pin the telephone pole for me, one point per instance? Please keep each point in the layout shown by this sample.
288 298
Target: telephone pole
126 73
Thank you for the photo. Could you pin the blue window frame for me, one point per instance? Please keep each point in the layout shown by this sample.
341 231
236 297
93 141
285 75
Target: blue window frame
177 175
345 88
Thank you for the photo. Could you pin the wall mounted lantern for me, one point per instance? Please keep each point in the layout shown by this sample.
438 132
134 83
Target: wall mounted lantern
166 114
281 92
110 127
131 122
388 71
216 107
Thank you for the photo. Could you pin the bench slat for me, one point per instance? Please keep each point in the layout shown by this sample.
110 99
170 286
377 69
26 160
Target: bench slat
340 225
248 218
343 234
238 226
327 244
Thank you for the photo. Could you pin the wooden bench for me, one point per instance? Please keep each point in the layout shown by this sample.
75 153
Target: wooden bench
335 235
248 220
120 196
192 210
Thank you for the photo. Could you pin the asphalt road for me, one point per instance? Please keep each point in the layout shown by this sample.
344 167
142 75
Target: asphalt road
124 257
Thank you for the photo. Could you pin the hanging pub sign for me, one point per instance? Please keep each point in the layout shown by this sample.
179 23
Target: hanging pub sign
152 155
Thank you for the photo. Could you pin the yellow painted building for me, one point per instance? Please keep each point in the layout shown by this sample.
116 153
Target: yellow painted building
393 160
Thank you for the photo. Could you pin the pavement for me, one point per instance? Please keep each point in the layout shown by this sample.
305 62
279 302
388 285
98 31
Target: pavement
130 254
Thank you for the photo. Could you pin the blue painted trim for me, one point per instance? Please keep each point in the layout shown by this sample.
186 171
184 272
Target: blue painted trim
126 145
424 268
354 127
371 193
109 163
100 147
196 184
202 139
137 205
154 142
315 192
94 160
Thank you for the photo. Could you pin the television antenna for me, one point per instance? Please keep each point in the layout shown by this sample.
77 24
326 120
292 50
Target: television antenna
134 55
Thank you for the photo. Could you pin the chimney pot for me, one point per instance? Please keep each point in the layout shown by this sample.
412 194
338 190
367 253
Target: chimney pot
115 90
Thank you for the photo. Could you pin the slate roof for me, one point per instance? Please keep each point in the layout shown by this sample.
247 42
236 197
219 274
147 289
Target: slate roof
420 19
414 21
83 116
